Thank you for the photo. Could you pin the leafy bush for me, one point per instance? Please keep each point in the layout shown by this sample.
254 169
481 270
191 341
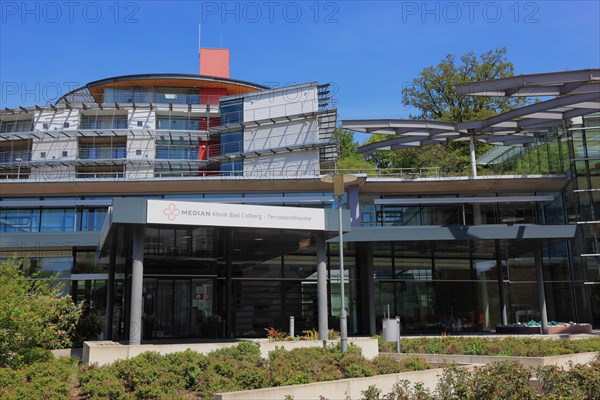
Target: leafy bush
29 356
356 366
301 366
580 382
415 364
51 380
33 313
101 383
386 365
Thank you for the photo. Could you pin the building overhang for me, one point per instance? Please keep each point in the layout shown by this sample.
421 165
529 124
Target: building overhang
460 232
178 214
39 241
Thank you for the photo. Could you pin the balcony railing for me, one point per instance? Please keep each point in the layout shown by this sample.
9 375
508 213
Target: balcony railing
143 98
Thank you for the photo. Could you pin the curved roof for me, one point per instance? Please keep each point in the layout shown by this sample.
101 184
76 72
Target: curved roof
95 88
577 93
546 84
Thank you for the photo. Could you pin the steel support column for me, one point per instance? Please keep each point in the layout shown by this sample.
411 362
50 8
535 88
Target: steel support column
110 289
137 283
323 313
537 254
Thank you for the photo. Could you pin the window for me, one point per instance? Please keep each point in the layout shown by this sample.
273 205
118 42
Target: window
104 122
232 111
138 152
179 149
66 124
232 168
43 154
140 123
19 220
232 143
46 126
91 219
24 125
185 123
103 148
15 151
57 220
65 153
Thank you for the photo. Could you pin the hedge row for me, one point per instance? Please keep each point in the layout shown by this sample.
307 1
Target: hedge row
191 375
151 376
511 346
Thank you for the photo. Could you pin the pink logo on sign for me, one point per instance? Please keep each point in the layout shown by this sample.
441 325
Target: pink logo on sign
171 212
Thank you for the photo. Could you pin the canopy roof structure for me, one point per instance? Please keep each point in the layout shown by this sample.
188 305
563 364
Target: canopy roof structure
577 93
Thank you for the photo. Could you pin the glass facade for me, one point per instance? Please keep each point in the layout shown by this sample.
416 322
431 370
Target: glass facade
21 125
454 285
583 208
52 219
156 95
109 148
15 151
103 122
232 111
176 149
545 213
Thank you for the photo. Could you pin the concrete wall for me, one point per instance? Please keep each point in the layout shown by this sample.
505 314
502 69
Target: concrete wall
281 102
146 144
145 116
56 120
291 164
340 389
105 352
281 135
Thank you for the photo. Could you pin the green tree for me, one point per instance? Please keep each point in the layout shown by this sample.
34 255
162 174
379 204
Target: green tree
349 158
33 313
432 93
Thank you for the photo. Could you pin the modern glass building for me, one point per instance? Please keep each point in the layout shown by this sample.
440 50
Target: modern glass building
194 206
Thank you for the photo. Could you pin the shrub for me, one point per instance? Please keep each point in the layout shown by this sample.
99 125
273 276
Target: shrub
9 379
29 356
386 365
46 319
415 364
503 380
101 383
510 346
371 393
356 366
301 366
579 382
474 347
50 380
436 346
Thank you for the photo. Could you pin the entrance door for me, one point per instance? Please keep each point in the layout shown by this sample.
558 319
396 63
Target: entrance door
178 308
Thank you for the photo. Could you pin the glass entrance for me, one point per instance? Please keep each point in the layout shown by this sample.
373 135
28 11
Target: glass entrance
178 308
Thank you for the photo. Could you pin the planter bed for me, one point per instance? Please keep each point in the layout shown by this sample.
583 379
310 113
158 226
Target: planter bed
559 361
338 389
532 330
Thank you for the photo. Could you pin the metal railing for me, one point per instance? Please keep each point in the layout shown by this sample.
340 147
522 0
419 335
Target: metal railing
84 96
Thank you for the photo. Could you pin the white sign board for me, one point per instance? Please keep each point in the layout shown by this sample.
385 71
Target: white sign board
237 215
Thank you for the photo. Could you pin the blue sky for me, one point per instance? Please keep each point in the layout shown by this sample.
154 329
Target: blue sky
369 50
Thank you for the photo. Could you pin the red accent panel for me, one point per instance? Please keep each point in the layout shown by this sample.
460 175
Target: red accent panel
212 95
203 150
214 62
